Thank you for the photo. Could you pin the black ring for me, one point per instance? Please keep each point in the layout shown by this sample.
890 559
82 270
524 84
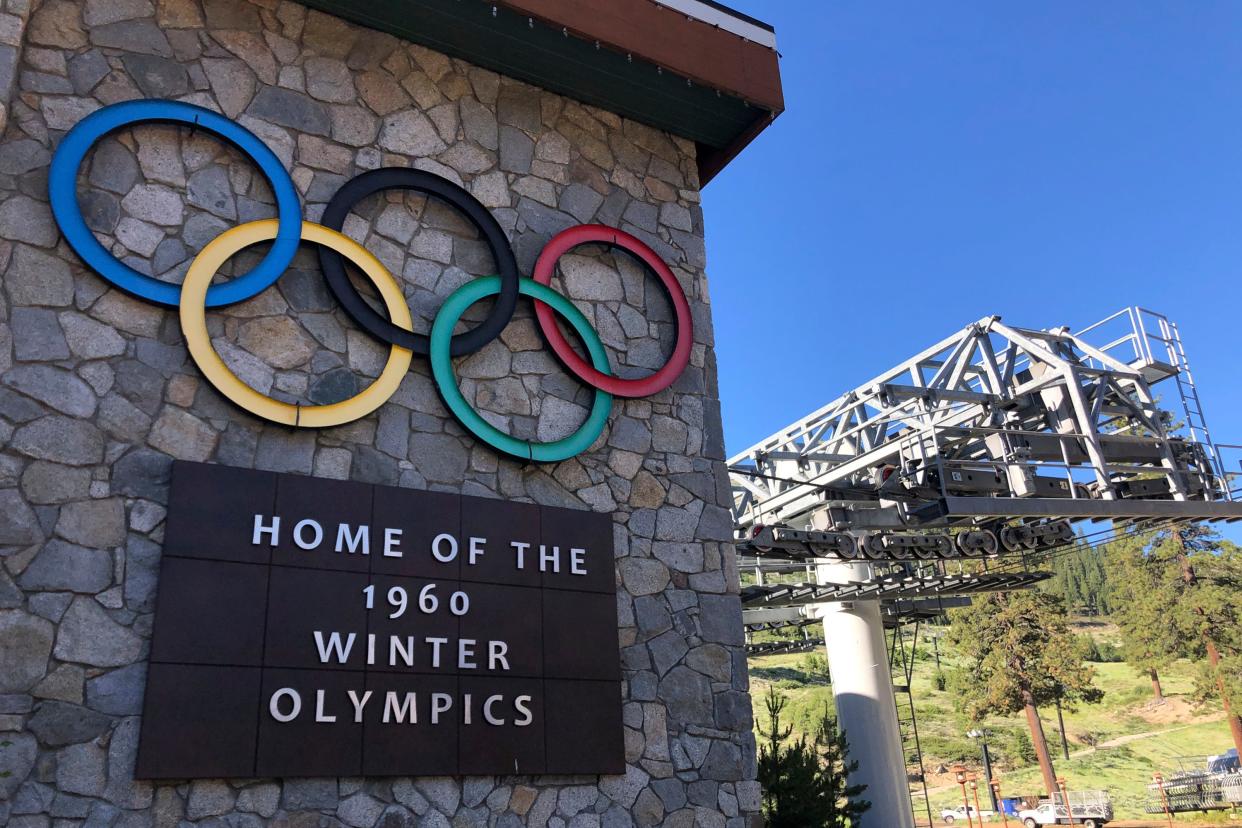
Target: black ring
403 178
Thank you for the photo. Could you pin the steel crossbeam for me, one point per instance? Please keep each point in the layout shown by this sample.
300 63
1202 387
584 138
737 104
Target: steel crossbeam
900 610
1029 415
788 595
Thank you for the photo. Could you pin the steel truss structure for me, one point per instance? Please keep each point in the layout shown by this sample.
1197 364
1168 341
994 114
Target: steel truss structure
995 424
900 498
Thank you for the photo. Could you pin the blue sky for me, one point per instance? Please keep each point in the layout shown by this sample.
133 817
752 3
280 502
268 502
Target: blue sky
939 162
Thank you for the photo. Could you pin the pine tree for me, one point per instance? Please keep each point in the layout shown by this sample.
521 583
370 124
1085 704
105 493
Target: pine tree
1021 655
845 801
786 772
1180 596
806 785
1081 580
1145 587
1220 577
1211 612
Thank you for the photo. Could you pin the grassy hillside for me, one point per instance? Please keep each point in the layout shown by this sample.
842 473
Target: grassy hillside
1114 745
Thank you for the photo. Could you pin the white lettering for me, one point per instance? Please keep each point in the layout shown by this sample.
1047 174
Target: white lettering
577 561
274 706
334 647
359 703
395 649
452 544
260 530
519 549
370 648
320 716
435 649
467 709
487 710
522 703
407 708
476 549
392 539
440 703
360 537
465 654
546 557
298 534
496 655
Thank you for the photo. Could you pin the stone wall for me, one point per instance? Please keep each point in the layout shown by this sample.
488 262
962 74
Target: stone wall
13 17
97 394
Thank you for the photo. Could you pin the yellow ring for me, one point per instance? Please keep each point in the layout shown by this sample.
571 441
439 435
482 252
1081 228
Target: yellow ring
194 326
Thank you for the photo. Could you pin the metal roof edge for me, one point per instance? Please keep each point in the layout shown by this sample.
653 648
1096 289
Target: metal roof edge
723 17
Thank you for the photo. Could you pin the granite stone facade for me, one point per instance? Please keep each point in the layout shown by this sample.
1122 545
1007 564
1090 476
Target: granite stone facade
98 394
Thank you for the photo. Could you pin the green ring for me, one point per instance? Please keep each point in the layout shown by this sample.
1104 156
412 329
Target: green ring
446 381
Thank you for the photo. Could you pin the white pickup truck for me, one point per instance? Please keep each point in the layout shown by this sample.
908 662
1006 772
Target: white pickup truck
952 816
1090 809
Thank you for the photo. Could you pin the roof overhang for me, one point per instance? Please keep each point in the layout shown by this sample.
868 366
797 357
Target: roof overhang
693 68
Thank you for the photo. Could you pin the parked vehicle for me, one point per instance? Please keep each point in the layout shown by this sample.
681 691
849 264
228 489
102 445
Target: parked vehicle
1199 784
1089 809
952 816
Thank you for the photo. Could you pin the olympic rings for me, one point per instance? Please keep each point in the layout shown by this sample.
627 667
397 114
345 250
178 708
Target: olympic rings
564 241
197 293
442 370
62 192
392 178
194 326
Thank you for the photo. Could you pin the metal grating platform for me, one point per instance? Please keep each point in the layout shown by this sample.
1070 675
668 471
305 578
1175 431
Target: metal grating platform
771 595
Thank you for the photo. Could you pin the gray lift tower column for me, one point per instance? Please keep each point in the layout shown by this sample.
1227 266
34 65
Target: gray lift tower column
862 685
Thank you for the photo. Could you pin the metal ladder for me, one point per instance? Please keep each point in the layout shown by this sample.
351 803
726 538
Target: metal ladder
901 666
1196 423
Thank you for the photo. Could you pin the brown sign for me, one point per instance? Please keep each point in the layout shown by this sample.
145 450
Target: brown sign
310 627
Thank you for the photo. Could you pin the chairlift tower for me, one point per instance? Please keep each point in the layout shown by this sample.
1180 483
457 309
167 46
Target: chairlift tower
956 472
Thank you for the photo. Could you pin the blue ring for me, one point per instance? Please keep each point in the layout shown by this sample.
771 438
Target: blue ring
63 192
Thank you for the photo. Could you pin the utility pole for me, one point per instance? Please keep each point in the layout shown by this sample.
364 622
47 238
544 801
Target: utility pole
982 736
1061 724
1189 578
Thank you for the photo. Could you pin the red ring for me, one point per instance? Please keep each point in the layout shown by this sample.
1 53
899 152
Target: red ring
565 241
